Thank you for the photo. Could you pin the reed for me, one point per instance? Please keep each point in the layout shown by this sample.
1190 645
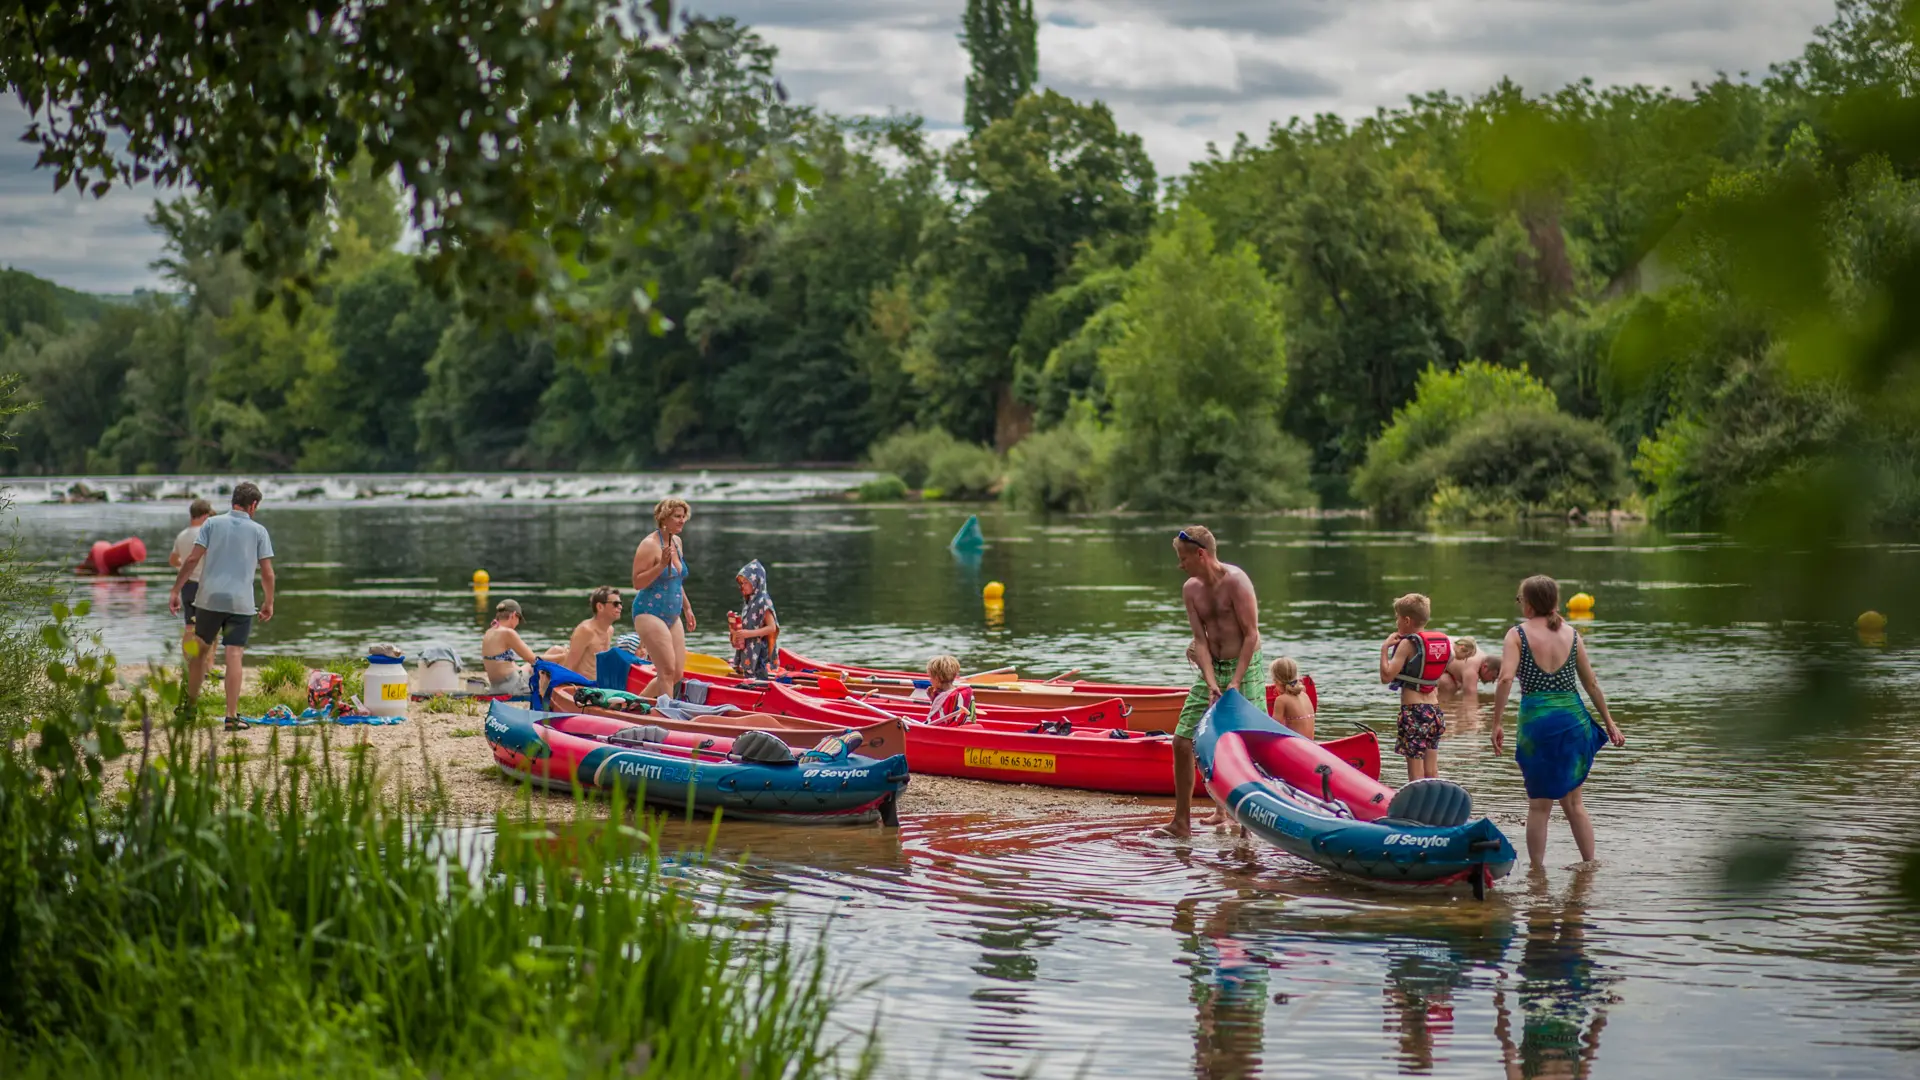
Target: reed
204 919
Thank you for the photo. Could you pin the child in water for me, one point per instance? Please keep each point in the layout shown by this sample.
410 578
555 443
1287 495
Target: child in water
1291 706
1411 661
1458 679
948 704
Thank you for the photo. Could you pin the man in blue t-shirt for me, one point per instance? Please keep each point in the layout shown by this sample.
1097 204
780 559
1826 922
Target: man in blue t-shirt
227 551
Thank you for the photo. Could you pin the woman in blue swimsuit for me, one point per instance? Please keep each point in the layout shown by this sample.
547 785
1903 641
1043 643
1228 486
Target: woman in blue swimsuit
662 614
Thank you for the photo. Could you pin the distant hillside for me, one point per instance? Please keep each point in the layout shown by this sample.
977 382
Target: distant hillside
29 300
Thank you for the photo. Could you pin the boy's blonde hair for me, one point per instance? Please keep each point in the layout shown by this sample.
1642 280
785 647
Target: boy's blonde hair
1414 606
1285 674
1465 648
943 668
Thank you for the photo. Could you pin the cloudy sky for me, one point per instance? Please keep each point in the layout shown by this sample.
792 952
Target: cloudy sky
1181 73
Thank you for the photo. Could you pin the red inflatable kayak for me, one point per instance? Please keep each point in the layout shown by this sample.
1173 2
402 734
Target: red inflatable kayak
1090 758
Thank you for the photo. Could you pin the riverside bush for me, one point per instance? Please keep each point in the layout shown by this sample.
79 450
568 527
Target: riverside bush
888 488
909 453
1519 462
965 471
1061 468
207 920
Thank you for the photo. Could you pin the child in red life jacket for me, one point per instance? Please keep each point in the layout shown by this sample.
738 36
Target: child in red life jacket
1411 661
948 702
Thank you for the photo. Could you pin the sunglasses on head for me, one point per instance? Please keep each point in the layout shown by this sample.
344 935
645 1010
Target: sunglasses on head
1182 535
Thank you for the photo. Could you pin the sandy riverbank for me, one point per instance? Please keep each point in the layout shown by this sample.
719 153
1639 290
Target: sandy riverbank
444 754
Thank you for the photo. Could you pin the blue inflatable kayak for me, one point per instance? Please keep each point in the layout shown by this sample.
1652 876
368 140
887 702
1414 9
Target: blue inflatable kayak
1306 801
754 775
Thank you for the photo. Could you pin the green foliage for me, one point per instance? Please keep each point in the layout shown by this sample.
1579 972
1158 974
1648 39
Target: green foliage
1004 57
1396 478
1035 187
1515 462
965 471
1064 467
524 171
909 453
888 488
1196 379
26 300
194 921
283 673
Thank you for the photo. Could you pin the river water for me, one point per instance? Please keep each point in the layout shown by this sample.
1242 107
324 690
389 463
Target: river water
994 946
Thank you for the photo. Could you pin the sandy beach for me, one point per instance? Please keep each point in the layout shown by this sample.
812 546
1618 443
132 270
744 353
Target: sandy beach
441 757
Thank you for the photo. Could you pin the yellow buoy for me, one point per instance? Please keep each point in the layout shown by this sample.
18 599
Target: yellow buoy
1871 622
481 579
1579 603
993 593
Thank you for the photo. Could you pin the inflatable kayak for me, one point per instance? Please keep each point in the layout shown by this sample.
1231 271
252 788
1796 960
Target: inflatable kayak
880 736
1061 755
1305 800
754 776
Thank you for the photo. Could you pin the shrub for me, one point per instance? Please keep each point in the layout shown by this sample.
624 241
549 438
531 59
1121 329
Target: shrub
283 673
1061 468
1393 479
965 471
888 488
909 453
1523 461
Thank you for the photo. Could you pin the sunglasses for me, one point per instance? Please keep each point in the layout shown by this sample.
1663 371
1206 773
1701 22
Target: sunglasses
615 601
1182 535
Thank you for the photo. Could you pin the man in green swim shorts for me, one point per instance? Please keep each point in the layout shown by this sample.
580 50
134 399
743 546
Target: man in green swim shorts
1224 615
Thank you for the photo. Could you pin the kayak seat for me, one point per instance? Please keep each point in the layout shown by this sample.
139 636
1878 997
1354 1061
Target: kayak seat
1440 804
762 748
638 735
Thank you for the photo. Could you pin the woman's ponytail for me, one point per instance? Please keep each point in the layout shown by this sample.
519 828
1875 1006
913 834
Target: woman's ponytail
1541 594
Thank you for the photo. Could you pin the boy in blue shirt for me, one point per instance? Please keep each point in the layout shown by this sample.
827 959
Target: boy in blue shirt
228 550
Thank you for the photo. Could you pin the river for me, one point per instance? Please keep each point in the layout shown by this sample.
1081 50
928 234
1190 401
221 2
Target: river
999 947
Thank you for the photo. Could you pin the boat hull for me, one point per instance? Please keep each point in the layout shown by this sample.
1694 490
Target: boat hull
1289 791
691 772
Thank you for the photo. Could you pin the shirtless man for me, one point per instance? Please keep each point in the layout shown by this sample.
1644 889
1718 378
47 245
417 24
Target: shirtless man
1225 618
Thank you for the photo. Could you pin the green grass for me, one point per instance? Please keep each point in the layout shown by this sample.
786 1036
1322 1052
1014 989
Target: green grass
283 673
201 923
463 733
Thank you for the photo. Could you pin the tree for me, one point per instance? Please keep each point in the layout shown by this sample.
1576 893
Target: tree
1197 377
1034 187
1004 55
533 139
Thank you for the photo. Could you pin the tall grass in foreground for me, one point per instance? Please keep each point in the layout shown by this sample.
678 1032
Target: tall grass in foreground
198 921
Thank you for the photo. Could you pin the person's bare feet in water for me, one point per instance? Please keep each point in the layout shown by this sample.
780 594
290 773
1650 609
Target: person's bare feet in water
1177 828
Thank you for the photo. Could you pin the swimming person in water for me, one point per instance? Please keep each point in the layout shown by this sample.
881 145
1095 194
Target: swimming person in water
662 614
1224 616
1556 740
1411 662
500 649
595 635
756 639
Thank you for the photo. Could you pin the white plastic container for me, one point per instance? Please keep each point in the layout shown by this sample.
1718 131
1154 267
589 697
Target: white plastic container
384 688
437 677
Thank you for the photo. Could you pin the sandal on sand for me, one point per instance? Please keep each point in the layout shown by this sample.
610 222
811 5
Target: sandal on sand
234 723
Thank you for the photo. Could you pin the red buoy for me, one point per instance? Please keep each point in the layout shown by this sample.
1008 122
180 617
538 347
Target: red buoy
105 558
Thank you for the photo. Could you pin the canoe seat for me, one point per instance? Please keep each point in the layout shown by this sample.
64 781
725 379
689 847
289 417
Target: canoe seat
1440 804
762 748
638 735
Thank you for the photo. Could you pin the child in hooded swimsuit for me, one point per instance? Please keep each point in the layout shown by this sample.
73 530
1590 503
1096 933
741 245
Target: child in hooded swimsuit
1411 661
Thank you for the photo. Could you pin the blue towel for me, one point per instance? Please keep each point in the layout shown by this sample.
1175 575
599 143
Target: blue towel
1556 743
554 675
610 668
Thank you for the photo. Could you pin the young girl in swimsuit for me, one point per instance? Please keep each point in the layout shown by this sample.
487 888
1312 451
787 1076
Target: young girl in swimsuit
1291 706
662 614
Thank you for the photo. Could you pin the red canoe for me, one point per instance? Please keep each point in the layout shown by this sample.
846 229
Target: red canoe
997 750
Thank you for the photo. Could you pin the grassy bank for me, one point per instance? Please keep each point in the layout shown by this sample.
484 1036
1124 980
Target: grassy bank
197 917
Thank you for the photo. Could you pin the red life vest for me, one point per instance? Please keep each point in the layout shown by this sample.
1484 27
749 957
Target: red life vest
1423 671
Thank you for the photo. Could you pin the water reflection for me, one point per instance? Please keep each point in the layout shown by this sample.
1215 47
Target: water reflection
1561 994
1227 973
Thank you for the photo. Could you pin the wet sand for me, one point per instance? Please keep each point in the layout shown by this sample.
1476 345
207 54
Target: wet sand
441 758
